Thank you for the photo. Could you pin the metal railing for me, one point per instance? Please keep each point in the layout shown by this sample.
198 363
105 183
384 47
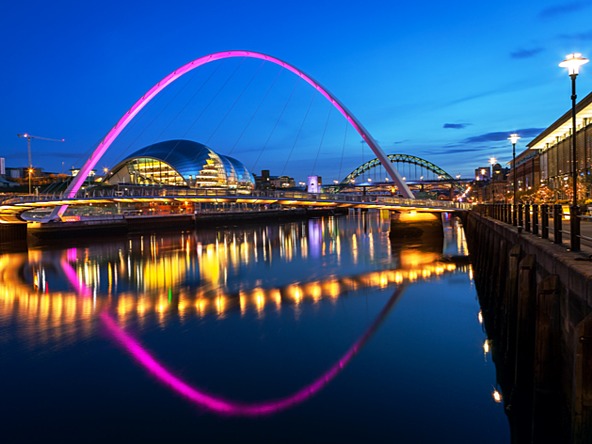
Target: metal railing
544 220
114 194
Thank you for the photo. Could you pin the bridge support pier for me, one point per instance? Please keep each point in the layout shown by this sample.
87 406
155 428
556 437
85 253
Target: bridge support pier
412 224
13 237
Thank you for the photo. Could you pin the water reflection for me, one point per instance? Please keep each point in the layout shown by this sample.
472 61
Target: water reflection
72 311
61 295
223 406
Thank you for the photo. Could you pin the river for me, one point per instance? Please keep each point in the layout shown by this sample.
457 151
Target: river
317 331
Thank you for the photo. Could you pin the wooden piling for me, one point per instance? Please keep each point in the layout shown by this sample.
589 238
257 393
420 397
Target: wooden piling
582 390
547 358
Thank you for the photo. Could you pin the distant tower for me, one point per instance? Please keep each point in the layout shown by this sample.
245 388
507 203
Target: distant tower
314 184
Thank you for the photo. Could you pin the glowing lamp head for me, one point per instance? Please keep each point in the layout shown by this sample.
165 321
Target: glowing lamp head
514 138
492 161
573 62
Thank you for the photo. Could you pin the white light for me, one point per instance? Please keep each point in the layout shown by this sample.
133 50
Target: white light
514 138
497 396
573 62
486 347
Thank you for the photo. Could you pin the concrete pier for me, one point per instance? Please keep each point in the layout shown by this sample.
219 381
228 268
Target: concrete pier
13 236
412 224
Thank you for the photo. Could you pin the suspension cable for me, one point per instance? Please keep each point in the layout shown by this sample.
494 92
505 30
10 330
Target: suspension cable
312 98
265 95
281 114
314 165
236 100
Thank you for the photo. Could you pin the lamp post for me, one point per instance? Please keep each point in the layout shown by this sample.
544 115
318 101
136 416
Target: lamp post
492 161
514 139
573 62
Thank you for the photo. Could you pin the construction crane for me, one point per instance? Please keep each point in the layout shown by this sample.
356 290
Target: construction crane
29 137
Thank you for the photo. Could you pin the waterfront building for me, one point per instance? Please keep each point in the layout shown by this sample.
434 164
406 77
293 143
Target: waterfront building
551 150
181 163
482 174
527 173
267 182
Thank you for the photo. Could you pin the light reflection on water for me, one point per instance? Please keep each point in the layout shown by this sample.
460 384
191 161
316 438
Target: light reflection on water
263 275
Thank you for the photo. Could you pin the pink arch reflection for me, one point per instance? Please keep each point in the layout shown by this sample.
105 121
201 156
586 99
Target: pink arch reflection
156 89
222 406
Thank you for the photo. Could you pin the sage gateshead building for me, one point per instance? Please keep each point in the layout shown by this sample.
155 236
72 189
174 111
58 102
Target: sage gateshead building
182 163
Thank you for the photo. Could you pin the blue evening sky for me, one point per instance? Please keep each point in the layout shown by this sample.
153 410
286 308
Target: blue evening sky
447 81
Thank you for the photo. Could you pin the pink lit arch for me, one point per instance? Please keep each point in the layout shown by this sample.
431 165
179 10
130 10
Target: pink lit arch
152 92
215 403
222 406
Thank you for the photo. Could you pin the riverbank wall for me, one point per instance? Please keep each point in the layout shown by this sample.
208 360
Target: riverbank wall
536 301
21 236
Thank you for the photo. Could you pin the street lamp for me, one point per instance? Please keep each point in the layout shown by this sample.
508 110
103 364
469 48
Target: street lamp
514 139
573 62
492 161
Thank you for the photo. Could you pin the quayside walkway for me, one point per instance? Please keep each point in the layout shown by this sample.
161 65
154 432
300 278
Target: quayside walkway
550 222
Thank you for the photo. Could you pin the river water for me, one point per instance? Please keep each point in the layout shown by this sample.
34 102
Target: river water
319 331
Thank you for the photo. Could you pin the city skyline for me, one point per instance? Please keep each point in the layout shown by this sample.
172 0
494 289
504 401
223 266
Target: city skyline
447 83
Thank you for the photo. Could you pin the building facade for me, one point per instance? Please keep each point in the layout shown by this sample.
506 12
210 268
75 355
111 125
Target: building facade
552 150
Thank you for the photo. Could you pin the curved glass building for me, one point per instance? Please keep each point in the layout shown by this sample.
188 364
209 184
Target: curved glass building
182 163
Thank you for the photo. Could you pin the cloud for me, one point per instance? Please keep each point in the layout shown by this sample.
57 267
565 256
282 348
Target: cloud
503 135
577 36
450 150
525 53
562 9
455 125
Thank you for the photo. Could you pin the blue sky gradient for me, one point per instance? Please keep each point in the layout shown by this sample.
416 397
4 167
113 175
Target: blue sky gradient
445 81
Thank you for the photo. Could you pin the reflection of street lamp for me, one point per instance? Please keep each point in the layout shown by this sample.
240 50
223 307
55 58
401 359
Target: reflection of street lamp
573 62
496 395
514 139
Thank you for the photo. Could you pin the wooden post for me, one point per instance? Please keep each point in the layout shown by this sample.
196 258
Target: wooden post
582 383
526 298
547 364
522 393
510 304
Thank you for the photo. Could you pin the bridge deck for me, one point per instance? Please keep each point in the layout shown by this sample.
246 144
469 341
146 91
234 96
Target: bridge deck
12 208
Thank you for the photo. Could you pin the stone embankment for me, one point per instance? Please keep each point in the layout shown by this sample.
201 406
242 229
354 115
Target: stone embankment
536 299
